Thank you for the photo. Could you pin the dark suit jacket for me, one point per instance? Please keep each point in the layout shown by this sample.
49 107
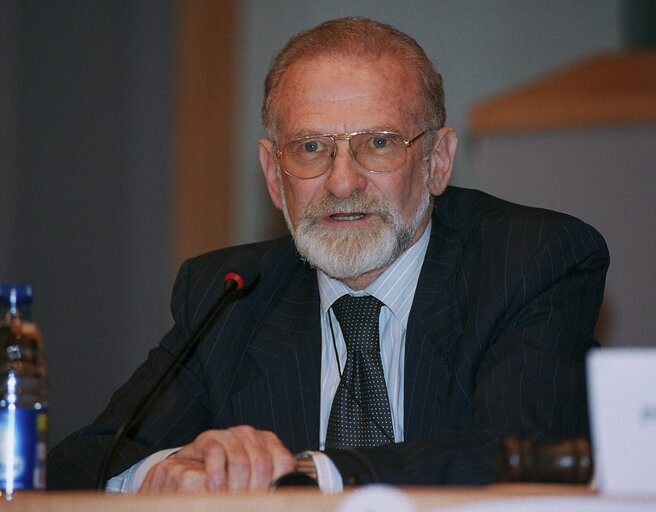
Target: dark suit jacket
501 319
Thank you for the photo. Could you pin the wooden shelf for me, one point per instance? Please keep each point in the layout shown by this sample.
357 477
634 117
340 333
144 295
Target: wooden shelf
606 90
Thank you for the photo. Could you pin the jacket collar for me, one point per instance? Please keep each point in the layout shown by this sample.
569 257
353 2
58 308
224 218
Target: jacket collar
434 327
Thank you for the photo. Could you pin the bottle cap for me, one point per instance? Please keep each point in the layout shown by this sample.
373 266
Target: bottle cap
15 293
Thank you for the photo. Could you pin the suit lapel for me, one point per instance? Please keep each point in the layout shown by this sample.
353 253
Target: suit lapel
287 351
433 328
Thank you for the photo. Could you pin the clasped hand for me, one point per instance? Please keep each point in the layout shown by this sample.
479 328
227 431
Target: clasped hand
236 459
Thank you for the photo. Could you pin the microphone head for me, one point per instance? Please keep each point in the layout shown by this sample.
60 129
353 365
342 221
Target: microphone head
245 267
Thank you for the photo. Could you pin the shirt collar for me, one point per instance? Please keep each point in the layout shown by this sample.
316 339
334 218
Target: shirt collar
395 287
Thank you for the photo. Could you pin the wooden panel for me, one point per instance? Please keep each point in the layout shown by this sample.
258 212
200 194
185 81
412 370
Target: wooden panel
611 89
203 186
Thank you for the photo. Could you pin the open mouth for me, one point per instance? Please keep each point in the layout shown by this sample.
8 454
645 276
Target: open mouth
347 216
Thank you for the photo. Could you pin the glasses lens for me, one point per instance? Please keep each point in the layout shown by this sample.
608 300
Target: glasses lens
378 151
308 157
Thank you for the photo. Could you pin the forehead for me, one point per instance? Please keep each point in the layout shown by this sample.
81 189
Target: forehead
343 94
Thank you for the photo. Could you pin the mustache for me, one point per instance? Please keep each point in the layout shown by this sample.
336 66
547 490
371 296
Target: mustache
357 202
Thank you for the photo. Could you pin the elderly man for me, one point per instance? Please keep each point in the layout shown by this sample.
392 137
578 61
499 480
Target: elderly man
408 328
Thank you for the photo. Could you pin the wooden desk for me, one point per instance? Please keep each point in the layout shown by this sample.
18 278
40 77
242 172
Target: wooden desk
425 498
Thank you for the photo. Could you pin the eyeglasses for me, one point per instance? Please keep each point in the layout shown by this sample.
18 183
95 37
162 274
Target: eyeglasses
377 151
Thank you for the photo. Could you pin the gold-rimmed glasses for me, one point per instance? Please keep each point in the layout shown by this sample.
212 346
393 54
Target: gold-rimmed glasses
376 151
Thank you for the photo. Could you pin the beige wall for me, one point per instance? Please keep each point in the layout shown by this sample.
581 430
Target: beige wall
605 176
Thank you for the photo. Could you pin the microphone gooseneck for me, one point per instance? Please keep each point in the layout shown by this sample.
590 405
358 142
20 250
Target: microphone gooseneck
233 282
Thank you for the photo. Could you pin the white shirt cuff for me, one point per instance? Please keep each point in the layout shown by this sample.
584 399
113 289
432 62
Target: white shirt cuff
131 479
328 477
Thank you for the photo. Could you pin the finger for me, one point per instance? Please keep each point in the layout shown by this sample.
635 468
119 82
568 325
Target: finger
272 460
174 475
268 457
150 483
224 455
156 477
210 449
283 460
193 450
188 476
237 460
261 466
196 449
261 446
215 467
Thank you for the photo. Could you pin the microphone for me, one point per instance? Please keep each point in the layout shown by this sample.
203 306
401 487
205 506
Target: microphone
233 282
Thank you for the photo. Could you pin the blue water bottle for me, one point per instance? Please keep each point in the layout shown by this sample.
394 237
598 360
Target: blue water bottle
23 393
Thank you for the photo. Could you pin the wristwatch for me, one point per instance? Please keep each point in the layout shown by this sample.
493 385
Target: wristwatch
305 465
304 474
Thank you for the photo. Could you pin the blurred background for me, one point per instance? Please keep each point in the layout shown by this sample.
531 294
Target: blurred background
128 142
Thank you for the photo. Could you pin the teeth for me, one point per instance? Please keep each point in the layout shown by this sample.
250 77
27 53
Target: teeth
349 216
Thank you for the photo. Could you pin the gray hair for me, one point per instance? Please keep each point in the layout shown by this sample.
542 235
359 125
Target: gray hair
357 38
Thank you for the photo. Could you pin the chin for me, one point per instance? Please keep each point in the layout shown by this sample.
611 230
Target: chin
348 252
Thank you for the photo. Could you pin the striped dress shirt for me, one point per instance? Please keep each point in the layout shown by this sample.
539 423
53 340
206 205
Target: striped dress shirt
395 288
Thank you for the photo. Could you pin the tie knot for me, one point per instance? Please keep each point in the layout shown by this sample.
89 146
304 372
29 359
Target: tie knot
358 319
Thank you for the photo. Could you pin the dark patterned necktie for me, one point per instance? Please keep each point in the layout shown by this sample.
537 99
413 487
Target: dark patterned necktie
360 414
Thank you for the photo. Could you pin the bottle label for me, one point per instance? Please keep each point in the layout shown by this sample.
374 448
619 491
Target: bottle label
22 448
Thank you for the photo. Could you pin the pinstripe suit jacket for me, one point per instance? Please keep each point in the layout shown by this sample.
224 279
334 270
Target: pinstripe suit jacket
504 311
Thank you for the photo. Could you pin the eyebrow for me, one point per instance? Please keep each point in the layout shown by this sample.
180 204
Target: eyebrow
312 133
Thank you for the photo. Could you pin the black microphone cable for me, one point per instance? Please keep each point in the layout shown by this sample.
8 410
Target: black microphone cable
232 283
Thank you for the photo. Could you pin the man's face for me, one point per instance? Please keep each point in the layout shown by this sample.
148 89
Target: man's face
349 221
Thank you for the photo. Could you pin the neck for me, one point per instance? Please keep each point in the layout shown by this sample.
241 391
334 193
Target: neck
362 281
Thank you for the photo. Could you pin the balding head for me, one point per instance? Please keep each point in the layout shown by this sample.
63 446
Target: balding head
360 40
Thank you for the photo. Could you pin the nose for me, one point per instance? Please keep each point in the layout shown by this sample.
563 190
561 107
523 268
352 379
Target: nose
346 175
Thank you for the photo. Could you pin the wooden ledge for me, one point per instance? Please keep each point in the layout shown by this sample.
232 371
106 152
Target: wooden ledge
606 90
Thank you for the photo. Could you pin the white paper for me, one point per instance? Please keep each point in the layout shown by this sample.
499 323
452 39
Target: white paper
622 406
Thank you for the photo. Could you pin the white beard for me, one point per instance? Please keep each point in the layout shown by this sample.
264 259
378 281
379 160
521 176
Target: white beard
348 253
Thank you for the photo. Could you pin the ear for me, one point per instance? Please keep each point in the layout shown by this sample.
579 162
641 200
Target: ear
269 163
441 159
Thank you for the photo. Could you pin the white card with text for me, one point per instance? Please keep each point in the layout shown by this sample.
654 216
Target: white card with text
622 408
